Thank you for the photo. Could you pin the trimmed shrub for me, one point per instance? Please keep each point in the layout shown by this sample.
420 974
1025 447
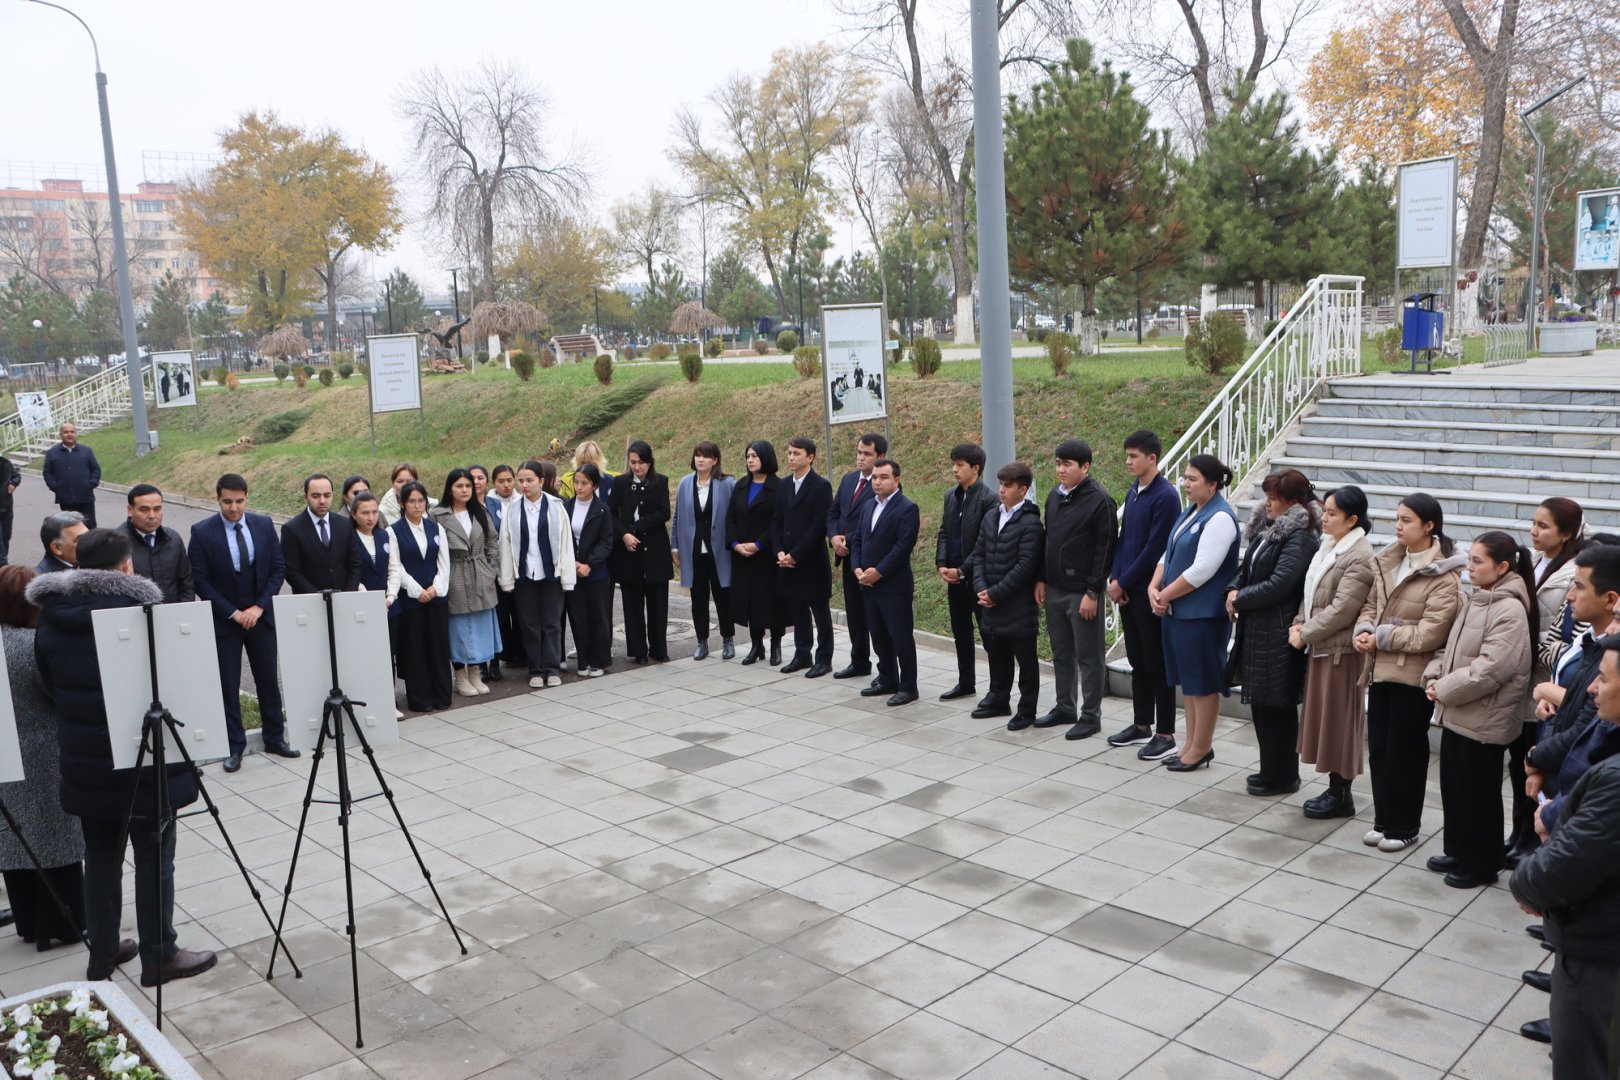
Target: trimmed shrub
658 351
326 376
1213 345
807 361
309 371
714 348
1153 334
280 426
1059 352
925 357
345 370
761 346
364 369
523 365
613 404
691 366
300 377
604 368
787 341
231 381
630 352
220 375
281 371
1389 346
546 357
1039 335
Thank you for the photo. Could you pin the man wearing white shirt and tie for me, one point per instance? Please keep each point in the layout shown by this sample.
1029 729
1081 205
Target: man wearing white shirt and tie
319 546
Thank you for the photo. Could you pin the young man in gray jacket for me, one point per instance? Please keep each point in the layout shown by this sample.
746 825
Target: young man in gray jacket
1080 529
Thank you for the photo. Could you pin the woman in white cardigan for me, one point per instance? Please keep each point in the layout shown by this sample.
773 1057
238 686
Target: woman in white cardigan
537 568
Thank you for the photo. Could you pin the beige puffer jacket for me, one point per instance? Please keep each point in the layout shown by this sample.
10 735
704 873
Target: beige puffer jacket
1337 602
1411 620
1482 679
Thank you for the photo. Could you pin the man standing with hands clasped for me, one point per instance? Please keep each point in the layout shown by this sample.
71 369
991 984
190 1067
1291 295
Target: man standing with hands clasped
319 546
1079 552
799 534
880 552
854 492
966 504
73 474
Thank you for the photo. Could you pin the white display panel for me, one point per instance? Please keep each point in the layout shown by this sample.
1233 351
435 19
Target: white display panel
1597 230
188 678
174 379
1426 213
34 410
395 372
365 666
855 384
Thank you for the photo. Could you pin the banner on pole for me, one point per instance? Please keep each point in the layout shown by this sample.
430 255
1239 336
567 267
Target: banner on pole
174 378
396 373
1597 229
852 337
1426 213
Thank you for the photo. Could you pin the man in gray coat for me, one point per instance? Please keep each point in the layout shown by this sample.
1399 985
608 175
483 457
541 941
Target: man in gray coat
157 550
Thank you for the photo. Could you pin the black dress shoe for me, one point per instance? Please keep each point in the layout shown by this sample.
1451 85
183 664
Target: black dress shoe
233 763
776 654
1540 980
817 670
657 659
182 965
728 648
987 701
701 652
1460 880
640 660
1261 789
755 655
955 692
7 918
904 697
281 750
492 672
798 663
1175 764
103 967
1536 931
1083 730
1055 719
878 691
986 712
1537 1031
853 671
1020 721
1441 864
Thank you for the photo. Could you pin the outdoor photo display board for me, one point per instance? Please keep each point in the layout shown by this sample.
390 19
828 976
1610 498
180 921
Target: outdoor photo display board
1597 230
396 373
365 671
188 678
852 337
174 379
11 766
1426 213
34 409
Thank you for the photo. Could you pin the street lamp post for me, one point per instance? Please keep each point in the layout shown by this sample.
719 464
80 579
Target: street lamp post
995 318
126 297
1532 309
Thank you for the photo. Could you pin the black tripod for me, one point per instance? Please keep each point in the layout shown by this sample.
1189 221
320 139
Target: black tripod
154 724
339 705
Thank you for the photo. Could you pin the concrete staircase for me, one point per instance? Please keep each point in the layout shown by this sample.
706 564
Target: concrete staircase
1490 451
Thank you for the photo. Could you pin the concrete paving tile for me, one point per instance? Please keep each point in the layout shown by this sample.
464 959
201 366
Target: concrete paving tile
908 912
901 861
1091 1043
687 1017
1267 1042
297 1049
774 916
1208 962
762 1049
701 947
955 837
1302 896
532 1018
1349 955
397 1011
1429 1035
1468 992
1118 932
505 922
234 1015
999 1008
585 893
842 1013
1160 1003
768 978
1254 926
1016 1065
1501 952
1337 1056
1174 901
622 980
1176 1061
1499 1053
982 939
916 974
968 883
1390 920
325 985
1039 907
713 891
840 841
926 1047
1304 993
643 918
557 950
846 1067
452 1050
841 943
658 867
476 982
839 888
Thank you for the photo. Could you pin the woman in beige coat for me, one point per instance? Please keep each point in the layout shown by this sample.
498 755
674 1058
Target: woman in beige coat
475 559
1480 686
1333 721
1406 620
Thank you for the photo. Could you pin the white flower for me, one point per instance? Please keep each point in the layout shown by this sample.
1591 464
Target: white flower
78 1002
123 1044
19 1042
45 1071
22 1015
98 1017
54 1045
123 1063
22 1068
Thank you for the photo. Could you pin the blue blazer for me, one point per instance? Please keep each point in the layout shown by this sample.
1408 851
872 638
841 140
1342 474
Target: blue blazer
888 546
1208 601
212 571
683 530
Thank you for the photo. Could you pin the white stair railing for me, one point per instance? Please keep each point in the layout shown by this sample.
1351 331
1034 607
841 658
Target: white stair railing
87 404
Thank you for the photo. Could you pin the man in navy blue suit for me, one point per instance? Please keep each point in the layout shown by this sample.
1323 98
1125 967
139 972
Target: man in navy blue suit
237 567
854 492
880 552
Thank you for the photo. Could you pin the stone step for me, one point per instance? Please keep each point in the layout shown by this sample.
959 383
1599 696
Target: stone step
1477 412
1512 435
1450 480
1445 388
1463 455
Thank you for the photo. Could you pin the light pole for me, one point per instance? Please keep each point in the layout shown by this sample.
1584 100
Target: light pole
1533 308
995 307
126 297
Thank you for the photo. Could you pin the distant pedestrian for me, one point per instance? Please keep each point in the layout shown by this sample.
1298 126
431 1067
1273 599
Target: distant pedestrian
10 477
73 474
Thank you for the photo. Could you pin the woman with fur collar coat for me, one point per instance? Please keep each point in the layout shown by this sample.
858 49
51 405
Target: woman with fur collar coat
1263 600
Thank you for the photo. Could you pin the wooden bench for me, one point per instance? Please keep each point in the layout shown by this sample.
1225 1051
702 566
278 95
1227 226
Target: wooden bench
584 346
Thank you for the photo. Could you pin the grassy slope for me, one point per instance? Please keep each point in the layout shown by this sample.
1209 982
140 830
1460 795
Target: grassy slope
492 418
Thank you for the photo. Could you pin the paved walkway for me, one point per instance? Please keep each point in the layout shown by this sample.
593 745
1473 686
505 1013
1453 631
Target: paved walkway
695 870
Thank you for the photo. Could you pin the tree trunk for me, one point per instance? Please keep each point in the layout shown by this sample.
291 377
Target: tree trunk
1086 322
1493 64
331 305
776 284
961 268
486 248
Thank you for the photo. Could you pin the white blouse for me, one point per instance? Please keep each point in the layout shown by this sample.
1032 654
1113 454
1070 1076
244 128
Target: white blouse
398 578
1216 539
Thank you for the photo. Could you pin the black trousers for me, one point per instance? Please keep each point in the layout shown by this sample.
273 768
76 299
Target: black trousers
646 618
88 509
229 641
104 887
855 623
812 628
706 580
1004 651
512 644
1523 828
1276 730
5 526
423 657
1583 998
34 909
1471 794
966 617
1398 757
538 607
1152 696
590 613
889 620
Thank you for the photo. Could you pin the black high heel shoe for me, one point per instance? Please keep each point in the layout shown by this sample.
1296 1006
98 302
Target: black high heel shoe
1177 765
755 654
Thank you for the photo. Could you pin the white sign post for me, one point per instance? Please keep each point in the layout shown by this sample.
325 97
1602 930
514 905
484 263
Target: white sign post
854 383
395 377
174 379
1426 213
34 409
1597 229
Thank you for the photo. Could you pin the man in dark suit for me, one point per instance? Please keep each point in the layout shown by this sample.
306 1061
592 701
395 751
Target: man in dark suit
156 550
59 535
880 551
10 477
318 545
966 503
854 492
237 565
804 580
73 474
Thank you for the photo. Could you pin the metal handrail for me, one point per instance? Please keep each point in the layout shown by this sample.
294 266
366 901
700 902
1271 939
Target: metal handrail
88 404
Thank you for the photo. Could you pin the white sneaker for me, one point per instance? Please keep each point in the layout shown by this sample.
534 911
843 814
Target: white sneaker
594 673
569 655
1389 843
553 680
537 682
1373 838
399 714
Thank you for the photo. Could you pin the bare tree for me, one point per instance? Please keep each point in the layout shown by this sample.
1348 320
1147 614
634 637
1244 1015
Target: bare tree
77 259
648 227
869 178
1493 63
481 143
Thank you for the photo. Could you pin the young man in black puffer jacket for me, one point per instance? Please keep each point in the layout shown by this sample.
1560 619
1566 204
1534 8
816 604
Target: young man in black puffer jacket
1005 566
65 649
1081 525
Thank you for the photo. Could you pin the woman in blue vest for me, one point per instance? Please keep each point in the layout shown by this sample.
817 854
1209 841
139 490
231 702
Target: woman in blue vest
375 557
1189 594
419 565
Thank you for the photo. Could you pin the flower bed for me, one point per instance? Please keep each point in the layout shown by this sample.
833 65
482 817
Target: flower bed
84 1030
1567 338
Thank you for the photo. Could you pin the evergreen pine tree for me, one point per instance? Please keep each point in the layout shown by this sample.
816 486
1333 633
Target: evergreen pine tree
166 323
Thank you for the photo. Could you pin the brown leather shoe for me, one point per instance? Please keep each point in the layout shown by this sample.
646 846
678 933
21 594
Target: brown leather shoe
182 965
102 967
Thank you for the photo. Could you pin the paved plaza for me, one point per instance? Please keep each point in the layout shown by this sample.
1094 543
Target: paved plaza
700 869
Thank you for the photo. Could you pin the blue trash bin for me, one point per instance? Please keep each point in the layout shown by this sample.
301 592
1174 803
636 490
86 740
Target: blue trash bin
1422 327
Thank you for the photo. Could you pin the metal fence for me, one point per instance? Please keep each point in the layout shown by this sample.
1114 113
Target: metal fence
1506 343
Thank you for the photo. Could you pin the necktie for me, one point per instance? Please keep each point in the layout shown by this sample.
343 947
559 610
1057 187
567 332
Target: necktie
151 541
326 541
860 486
242 562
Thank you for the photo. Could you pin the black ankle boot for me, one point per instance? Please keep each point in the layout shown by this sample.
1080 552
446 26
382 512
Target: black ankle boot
755 654
1336 802
776 652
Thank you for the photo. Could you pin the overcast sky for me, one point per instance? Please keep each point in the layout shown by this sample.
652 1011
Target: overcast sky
180 71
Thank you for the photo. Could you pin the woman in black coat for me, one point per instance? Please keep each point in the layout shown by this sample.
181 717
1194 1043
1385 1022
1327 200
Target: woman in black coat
641 562
1263 600
753 566
590 605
